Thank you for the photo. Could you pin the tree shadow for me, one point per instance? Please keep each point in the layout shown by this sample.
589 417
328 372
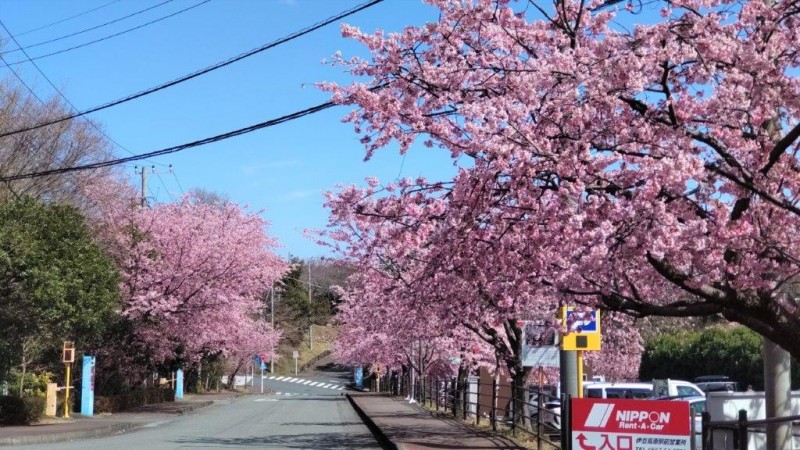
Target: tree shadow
318 440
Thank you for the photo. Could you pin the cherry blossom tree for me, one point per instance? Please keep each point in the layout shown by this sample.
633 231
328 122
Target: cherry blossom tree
193 276
652 171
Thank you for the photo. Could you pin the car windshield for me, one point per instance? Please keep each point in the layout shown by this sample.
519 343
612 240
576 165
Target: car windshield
628 393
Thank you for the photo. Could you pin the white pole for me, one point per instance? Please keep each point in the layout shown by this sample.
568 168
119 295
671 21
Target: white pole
262 379
295 367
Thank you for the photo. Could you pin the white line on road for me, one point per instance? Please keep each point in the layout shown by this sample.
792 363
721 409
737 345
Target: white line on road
315 383
272 377
281 378
326 386
309 381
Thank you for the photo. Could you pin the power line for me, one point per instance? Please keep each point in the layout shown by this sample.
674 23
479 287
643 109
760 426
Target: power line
92 124
166 189
28 47
172 171
203 71
68 18
177 148
47 55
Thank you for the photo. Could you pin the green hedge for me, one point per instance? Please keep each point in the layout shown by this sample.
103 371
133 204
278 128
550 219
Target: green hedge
132 399
21 410
685 355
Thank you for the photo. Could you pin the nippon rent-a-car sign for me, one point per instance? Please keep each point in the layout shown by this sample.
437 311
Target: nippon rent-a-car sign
624 424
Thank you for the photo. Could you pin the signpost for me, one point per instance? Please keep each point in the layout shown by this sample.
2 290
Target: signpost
581 333
296 356
626 424
67 357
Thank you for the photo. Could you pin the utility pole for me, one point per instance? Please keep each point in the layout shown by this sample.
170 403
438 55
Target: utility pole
272 312
143 173
311 326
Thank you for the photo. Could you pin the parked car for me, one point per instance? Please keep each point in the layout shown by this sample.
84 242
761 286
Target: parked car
678 388
716 383
618 390
697 405
552 410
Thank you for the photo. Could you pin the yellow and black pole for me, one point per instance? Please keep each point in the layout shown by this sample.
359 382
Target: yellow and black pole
66 392
580 373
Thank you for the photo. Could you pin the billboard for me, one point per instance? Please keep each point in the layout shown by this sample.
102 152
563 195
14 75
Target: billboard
539 343
627 424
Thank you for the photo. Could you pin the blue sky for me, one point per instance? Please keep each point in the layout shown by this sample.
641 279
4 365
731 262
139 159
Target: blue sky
282 170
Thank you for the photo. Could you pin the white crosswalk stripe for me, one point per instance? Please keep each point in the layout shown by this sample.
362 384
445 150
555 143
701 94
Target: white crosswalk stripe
310 383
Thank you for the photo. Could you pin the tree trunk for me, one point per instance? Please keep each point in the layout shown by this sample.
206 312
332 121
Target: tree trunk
232 376
461 386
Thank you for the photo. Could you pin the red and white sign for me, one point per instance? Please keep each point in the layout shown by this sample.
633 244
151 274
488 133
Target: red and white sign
624 424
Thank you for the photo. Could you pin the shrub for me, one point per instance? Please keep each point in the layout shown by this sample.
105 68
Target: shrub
731 351
21 410
132 399
33 384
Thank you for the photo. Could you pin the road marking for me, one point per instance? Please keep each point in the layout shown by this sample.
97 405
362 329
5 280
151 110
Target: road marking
326 386
292 380
260 400
309 381
341 388
272 377
280 378
316 383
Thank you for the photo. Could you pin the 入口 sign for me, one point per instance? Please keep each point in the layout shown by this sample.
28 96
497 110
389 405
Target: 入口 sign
625 424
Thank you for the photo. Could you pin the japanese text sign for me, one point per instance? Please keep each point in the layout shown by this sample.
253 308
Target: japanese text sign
626 424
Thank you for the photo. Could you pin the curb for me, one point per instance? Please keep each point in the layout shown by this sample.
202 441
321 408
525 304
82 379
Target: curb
383 440
49 438
102 431
189 408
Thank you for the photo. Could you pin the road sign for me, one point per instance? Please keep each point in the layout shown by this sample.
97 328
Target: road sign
295 354
626 424
68 352
539 344
582 329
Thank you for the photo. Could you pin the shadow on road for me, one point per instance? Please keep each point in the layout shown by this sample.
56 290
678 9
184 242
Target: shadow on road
319 440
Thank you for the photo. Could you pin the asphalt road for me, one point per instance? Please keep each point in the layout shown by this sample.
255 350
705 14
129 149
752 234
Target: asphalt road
295 415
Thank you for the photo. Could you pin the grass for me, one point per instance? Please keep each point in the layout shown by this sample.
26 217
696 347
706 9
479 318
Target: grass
323 342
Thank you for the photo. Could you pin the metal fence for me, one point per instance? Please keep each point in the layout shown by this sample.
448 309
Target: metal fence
483 403
737 434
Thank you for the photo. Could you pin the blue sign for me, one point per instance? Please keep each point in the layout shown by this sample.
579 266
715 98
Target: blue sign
263 365
87 386
359 377
179 384
583 325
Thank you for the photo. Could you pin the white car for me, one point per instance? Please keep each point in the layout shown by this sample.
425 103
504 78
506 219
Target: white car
697 405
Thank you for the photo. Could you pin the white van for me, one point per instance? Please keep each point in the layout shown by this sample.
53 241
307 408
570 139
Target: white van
676 388
618 390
